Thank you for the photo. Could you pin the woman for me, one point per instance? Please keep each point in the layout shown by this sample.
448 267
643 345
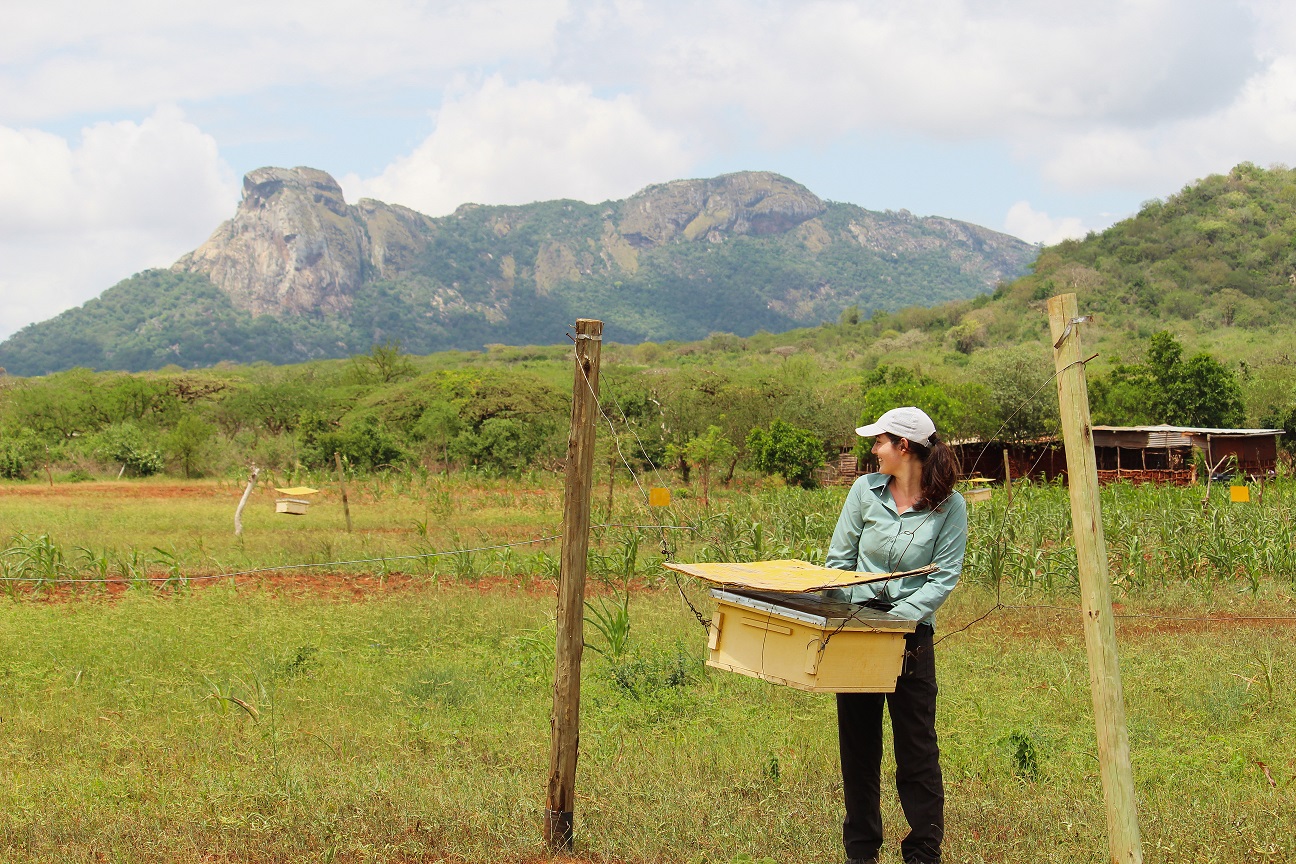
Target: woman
904 517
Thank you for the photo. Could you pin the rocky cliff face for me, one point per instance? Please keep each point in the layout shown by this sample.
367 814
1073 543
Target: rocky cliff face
750 202
295 246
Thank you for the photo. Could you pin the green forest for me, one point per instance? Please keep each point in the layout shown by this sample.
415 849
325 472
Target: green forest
1193 302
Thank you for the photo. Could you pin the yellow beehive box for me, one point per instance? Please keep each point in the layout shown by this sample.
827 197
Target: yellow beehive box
291 506
807 641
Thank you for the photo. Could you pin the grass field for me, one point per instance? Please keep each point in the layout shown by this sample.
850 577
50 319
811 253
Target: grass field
400 713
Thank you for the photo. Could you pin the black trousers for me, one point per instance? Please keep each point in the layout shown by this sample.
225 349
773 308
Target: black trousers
918 775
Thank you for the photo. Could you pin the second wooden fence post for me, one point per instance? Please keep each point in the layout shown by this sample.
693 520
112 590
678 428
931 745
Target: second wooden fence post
1095 585
559 817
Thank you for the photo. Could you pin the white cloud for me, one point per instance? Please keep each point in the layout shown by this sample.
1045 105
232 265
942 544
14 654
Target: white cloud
512 144
75 217
1258 126
67 57
1036 226
951 69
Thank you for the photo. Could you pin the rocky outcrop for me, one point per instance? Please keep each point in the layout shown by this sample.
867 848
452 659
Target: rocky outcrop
750 202
295 246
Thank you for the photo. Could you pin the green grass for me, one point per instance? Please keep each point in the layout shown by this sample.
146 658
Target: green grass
414 726
410 722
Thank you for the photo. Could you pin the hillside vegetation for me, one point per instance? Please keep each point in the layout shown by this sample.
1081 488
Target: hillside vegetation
1192 299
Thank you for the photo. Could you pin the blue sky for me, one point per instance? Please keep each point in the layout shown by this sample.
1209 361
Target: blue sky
125 128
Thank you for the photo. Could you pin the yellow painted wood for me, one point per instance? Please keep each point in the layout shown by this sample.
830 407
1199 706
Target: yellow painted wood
1095 585
658 497
973 496
291 506
296 491
866 656
786 575
1240 494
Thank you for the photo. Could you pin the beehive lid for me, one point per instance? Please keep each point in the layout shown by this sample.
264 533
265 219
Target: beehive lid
785 576
296 491
816 610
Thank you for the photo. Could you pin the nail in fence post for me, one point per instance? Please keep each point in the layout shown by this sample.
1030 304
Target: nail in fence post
346 507
1095 585
565 722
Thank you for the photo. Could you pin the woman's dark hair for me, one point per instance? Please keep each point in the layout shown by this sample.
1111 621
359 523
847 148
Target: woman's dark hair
939 470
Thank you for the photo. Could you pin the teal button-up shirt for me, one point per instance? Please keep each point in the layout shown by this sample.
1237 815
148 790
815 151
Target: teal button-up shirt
872 536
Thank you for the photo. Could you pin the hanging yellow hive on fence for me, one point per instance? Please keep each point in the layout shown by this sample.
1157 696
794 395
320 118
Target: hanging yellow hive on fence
293 503
768 625
976 489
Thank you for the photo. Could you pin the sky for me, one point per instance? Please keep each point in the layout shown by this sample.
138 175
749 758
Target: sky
126 127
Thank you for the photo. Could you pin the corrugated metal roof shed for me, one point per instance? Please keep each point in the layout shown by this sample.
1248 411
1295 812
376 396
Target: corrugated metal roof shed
1189 430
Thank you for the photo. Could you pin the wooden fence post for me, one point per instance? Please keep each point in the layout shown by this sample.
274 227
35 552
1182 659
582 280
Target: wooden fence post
346 507
1007 474
1095 586
559 819
247 491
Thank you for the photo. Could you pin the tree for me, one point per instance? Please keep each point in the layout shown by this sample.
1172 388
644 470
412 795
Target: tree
706 450
890 387
1126 396
1204 393
438 425
1199 391
187 440
385 363
1019 381
786 450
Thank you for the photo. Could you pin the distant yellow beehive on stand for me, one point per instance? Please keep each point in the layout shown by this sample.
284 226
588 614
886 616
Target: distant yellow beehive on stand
768 626
293 504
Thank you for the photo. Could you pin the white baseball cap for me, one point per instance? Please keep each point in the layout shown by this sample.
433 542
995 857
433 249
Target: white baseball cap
908 422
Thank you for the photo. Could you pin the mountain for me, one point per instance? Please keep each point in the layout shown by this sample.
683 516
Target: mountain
1215 263
299 273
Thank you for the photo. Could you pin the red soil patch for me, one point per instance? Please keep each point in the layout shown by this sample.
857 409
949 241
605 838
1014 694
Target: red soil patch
120 489
297 584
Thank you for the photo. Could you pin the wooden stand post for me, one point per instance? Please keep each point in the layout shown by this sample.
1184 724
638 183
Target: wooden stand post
247 492
1095 586
1007 474
559 819
346 507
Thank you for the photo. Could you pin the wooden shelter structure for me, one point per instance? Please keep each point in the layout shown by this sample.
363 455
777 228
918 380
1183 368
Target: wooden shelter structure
1038 459
1164 454
1140 454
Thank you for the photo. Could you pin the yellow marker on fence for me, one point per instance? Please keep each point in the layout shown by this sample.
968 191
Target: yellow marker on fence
1240 494
658 497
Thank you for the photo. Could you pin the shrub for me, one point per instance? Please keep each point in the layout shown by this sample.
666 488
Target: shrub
20 454
786 450
128 445
502 444
364 446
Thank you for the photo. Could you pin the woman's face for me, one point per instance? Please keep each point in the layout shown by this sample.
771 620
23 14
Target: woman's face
890 454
